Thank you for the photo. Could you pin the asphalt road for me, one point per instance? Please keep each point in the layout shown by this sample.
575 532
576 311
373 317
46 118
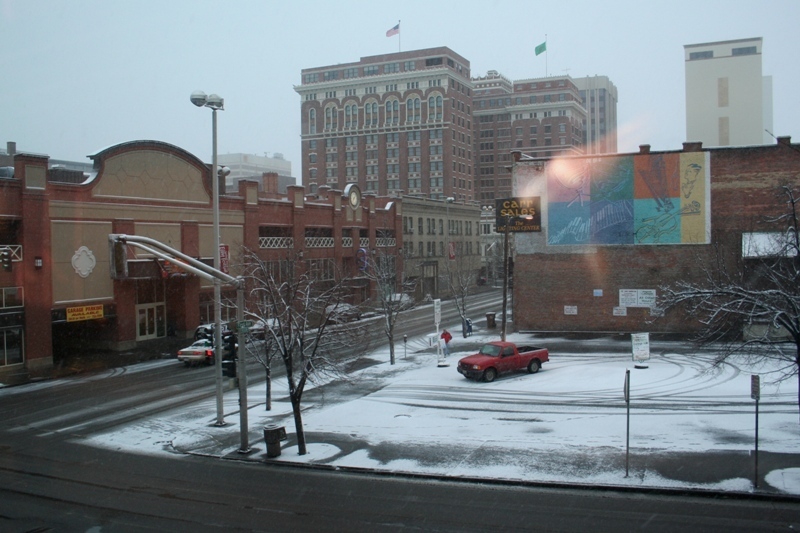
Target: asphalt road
50 480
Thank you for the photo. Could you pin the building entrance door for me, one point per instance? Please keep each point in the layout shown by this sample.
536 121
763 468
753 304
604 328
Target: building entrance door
151 321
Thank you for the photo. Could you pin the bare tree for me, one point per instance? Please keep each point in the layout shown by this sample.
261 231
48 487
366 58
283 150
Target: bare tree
393 294
749 303
461 274
297 301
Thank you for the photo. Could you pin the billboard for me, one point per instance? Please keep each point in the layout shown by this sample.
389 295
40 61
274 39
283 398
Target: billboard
522 214
631 199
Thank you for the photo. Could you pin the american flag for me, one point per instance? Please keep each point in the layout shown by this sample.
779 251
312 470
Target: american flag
394 31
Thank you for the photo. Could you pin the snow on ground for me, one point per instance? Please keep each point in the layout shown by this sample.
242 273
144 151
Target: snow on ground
565 424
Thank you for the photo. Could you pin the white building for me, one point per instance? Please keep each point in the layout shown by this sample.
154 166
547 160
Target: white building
728 100
599 97
250 166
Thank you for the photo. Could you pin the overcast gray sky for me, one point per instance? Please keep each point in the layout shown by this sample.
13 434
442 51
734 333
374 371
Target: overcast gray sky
81 75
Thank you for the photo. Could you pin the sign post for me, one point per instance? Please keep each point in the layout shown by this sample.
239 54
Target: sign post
437 318
626 392
640 345
755 393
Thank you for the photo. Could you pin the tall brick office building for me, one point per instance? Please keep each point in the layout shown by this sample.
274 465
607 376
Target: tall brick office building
616 228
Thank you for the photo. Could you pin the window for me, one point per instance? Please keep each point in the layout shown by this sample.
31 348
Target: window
351 116
435 107
709 54
312 121
433 61
409 65
351 72
311 78
392 112
331 118
312 158
393 137
413 110
414 135
391 67
744 51
331 75
371 114
371 70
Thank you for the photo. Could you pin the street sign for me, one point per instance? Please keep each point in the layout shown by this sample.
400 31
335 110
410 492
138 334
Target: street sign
244 325
224 258
626 389
755 387
437 311
640 345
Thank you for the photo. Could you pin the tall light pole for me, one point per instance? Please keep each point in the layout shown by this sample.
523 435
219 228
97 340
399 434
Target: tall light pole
215 102
505 279
505 269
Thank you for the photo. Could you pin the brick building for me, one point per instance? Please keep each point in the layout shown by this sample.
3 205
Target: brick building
59 294
541 117
616 228
393 123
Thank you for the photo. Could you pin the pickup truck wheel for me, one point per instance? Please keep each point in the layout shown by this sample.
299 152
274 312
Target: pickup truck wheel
489 375
534 366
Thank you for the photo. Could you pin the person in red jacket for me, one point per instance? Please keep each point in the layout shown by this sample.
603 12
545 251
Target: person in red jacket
446 337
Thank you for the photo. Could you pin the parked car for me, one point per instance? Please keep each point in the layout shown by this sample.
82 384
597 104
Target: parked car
401 300
259 329
342 313
201 351
206 331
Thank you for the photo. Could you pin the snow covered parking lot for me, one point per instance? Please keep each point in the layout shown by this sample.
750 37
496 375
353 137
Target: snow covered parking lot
565 424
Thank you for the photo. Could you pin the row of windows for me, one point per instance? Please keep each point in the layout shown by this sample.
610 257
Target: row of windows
429 249
519 100
372 70
455 227
371 117
392 137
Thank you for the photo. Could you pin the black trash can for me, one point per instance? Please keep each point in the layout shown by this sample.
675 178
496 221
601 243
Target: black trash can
273 435
490 321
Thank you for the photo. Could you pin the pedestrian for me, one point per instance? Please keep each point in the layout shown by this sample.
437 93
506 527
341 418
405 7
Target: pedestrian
446 337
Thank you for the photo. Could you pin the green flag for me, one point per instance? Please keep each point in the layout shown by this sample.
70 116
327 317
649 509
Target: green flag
541 48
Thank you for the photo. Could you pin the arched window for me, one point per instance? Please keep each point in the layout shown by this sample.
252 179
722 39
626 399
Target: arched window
349 119
331 118
312 121
371 113
392 112
413 109
435 108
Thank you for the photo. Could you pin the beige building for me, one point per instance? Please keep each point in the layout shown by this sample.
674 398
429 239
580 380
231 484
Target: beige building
728 99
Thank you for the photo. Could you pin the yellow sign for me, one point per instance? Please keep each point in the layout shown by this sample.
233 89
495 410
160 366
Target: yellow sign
84 312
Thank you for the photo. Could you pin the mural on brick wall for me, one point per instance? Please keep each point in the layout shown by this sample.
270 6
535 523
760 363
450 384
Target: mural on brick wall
631 199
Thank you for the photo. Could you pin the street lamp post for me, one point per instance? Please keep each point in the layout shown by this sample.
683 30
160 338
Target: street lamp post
505 269
215 102
505 279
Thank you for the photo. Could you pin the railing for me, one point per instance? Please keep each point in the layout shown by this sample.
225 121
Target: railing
15 249
347 242
386 242
319 242
363 242
275 242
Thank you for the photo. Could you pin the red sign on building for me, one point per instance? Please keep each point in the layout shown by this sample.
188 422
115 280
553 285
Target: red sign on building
223 258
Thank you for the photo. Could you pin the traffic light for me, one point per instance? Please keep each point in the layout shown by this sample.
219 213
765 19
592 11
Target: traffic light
229 368
5 258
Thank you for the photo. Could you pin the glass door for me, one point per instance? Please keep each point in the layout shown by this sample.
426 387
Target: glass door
151 321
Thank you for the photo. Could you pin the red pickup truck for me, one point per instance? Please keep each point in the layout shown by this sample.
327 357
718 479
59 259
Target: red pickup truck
497 357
